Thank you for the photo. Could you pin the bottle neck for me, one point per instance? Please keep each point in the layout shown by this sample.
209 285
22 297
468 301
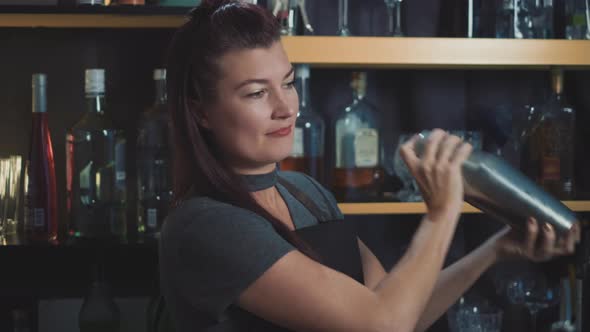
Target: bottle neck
95 103
161 94
39 104
304 97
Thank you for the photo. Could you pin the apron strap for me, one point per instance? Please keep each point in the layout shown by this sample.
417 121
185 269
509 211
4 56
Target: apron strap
304 199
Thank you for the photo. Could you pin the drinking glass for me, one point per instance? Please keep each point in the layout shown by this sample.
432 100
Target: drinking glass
394 12
474 317
10 196
343 29
534 291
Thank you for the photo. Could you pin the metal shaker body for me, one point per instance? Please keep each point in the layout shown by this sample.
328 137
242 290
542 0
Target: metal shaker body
495 187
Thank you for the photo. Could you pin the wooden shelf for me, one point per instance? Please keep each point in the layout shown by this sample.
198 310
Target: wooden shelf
332 51
420 208
437 52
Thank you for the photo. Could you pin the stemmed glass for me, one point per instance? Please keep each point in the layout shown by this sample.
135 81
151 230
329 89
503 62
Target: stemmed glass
535 292
394 11
343 29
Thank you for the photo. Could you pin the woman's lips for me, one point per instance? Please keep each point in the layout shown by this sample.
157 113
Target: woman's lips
281 132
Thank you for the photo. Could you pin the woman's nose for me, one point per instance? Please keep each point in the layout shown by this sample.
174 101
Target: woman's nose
282 108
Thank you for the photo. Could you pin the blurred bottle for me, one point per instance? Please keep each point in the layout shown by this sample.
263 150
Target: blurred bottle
307 155
128 2
154 162
20 321
551 142
99 312
357 171
91 2
95 170
40 217
577 19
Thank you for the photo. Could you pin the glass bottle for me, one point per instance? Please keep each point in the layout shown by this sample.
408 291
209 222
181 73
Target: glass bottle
357 147
577 19
307 155
552 142
394 12
40 217
99 312
95 170
154 173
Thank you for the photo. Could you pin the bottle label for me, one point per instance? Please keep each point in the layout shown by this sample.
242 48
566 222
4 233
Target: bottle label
551 169
152 218
297 150
120 176
366 147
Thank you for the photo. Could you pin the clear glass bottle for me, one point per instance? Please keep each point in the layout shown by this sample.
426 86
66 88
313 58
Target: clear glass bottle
95 170
577 19
154 162
552 142
40 216
343 29
357 174
307 155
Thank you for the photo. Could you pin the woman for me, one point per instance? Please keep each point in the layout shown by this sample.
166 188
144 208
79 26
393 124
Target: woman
235 254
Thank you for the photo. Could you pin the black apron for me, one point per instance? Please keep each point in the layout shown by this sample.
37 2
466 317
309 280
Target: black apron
334 241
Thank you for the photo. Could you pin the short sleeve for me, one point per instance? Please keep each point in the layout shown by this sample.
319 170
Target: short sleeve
221 250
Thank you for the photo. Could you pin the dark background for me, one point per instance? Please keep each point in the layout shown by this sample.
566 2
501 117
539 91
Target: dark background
408 101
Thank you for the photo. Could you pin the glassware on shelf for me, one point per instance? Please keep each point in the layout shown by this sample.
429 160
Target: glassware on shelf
95 171
10 198
307 155
470 316
534 291
550 143
357 174
40 212
154 162
524 19
90 2
394 12
128 2
292 15
577 17
343 29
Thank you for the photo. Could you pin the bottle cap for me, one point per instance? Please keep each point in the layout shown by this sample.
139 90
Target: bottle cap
94 83
39 83
159 74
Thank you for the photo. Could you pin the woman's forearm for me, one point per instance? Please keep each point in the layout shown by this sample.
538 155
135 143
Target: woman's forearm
455 280
406 290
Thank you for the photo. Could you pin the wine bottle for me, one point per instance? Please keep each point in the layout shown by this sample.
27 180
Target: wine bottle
40 217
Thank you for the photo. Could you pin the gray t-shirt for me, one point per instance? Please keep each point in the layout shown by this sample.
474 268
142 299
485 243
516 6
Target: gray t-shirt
211 251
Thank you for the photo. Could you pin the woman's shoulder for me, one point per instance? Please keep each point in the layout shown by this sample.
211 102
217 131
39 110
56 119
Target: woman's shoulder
207 214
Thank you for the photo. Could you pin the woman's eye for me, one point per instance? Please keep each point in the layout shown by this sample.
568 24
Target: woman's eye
257 94
290 85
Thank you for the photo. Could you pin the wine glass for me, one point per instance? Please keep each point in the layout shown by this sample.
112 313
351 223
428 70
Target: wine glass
394 13
535 292
343 29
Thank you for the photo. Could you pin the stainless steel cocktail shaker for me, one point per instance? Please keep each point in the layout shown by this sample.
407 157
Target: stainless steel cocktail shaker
495 187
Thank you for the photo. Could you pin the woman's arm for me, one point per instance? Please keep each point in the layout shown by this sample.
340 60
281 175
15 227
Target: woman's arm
303 295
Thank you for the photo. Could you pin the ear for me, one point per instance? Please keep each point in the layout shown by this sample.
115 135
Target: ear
200 113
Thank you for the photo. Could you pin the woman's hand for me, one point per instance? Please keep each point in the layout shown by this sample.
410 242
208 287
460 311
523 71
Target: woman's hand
438 172
540 242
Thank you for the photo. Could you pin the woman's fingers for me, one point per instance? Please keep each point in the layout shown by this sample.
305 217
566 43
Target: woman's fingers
531 236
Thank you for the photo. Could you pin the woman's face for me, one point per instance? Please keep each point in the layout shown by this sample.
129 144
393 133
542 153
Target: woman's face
253 118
